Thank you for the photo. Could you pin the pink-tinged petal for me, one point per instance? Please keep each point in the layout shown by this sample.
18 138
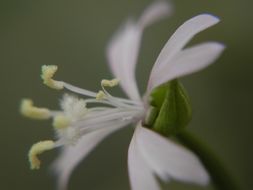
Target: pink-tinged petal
155 12
183 35
168 159
186 62
71 156
122 51
140 174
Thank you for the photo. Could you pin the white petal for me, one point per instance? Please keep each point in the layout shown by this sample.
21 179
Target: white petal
187 61
122 54
123 49
71 156
140 174
183 35
155 12
168 159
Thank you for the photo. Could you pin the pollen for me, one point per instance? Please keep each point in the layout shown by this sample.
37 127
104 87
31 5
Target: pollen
100 95
47 74
29 110
110 83
61 122
37 149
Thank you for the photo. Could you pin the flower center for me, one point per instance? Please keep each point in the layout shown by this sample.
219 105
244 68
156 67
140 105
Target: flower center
80 116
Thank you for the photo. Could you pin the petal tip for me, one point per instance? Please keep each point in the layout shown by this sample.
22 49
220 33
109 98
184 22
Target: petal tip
204 179
211 17
218 47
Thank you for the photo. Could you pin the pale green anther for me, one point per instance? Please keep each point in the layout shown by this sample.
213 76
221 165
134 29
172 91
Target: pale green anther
170 109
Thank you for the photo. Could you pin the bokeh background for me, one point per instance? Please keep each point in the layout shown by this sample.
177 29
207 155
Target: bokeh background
73 34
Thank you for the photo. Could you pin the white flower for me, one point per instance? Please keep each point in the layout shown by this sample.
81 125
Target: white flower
80 128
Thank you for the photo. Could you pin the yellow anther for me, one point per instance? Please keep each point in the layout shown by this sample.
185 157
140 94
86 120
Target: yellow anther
100 95
37 149
61 122
110 83
47 74
28 110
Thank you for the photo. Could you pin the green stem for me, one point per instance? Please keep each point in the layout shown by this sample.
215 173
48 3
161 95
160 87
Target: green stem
221 178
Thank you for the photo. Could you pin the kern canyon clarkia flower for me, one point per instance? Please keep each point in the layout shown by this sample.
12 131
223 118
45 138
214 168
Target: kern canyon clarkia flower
80 126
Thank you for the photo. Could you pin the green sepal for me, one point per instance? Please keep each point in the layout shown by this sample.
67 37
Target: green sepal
170 109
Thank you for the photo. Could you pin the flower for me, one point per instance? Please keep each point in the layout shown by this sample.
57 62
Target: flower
80 127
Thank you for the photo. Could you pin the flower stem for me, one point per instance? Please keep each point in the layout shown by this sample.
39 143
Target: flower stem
220 176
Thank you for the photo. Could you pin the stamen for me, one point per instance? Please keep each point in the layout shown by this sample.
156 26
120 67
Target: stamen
100 95
37 149
109 124
109 97
47 74
110 83
28 110
61 122
76 119
78 90
101 118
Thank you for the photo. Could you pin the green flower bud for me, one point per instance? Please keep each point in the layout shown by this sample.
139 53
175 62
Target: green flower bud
170 109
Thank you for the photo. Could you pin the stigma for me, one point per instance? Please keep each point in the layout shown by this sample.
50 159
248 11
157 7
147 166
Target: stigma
37 149
82 113
29 110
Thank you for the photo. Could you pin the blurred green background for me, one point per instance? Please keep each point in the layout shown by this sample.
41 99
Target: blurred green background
73 34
